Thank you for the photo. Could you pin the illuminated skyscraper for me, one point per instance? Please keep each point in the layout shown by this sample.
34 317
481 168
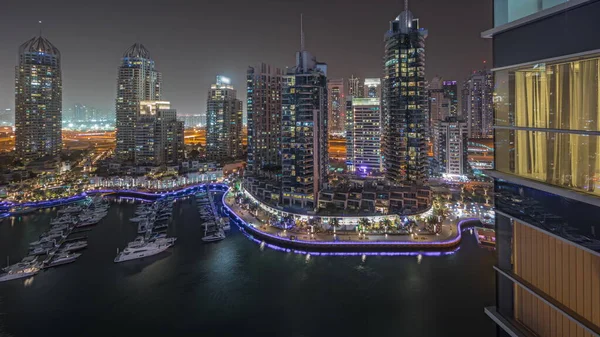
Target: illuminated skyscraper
137 81
158 134
355 87
224 117
478 106
336 106
372 87
364 136
404 101
450 145
38 100
304 132
264 85
547 167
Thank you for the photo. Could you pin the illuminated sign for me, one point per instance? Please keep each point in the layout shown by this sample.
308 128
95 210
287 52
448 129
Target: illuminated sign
223 80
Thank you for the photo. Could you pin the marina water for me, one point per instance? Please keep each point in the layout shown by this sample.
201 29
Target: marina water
235 288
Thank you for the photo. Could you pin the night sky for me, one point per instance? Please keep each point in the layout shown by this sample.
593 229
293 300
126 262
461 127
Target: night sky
193 41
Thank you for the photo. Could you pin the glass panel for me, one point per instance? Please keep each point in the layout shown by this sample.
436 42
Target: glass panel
566 160
570 219
506 11
557 96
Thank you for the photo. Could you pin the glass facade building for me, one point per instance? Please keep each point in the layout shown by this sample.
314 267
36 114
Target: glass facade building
547 169
224 117
404 101
137 81
38 100
304 137
263 105
506 11
364 135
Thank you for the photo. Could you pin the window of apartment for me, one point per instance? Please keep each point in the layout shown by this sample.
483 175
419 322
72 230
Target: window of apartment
506 11
563 95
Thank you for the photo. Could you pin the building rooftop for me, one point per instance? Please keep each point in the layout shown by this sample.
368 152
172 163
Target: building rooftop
137 51
40 45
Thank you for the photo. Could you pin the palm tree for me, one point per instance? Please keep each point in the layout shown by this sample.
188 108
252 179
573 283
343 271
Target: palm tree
334 223
386 223
364 223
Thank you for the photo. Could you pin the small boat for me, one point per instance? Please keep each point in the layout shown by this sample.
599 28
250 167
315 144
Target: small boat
64 220
144 226
70 209
40 251
19 270
216 236
89 222
74 246
62 258
139 218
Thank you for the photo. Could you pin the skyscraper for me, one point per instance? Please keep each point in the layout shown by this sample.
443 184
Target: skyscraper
158 134
355 87
264 85
38 100
79 113
438 104
224 117
404 101
372 87
336 106
364 136
304 132
547 168
443 99
451 94
137 81
450 145
478 107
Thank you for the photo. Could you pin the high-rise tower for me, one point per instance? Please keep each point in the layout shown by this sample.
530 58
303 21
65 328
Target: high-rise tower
304 131
336 106
137 81
404 100
224 117
355 87
38 100
478 107
547 168
264 119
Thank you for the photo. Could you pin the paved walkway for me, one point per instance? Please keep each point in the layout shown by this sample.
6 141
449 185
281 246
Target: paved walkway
448 231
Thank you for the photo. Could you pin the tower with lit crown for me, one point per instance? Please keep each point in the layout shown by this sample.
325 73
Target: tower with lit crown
38 100
137 81
224 116
404 100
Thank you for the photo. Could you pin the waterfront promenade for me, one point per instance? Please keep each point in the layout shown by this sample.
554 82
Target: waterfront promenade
449 237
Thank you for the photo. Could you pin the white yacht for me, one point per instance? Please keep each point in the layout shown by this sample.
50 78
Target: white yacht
216 236
144 250
70 209
144 226
89 222
18 271
73 246
139 218
62 258
63 220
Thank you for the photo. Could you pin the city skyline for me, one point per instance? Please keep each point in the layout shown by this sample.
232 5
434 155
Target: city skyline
93 40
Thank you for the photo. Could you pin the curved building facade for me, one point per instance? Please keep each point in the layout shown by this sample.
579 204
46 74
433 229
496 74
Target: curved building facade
38 100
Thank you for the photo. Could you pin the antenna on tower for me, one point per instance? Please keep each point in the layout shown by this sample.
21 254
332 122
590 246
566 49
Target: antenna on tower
40 25
301 34
406 10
